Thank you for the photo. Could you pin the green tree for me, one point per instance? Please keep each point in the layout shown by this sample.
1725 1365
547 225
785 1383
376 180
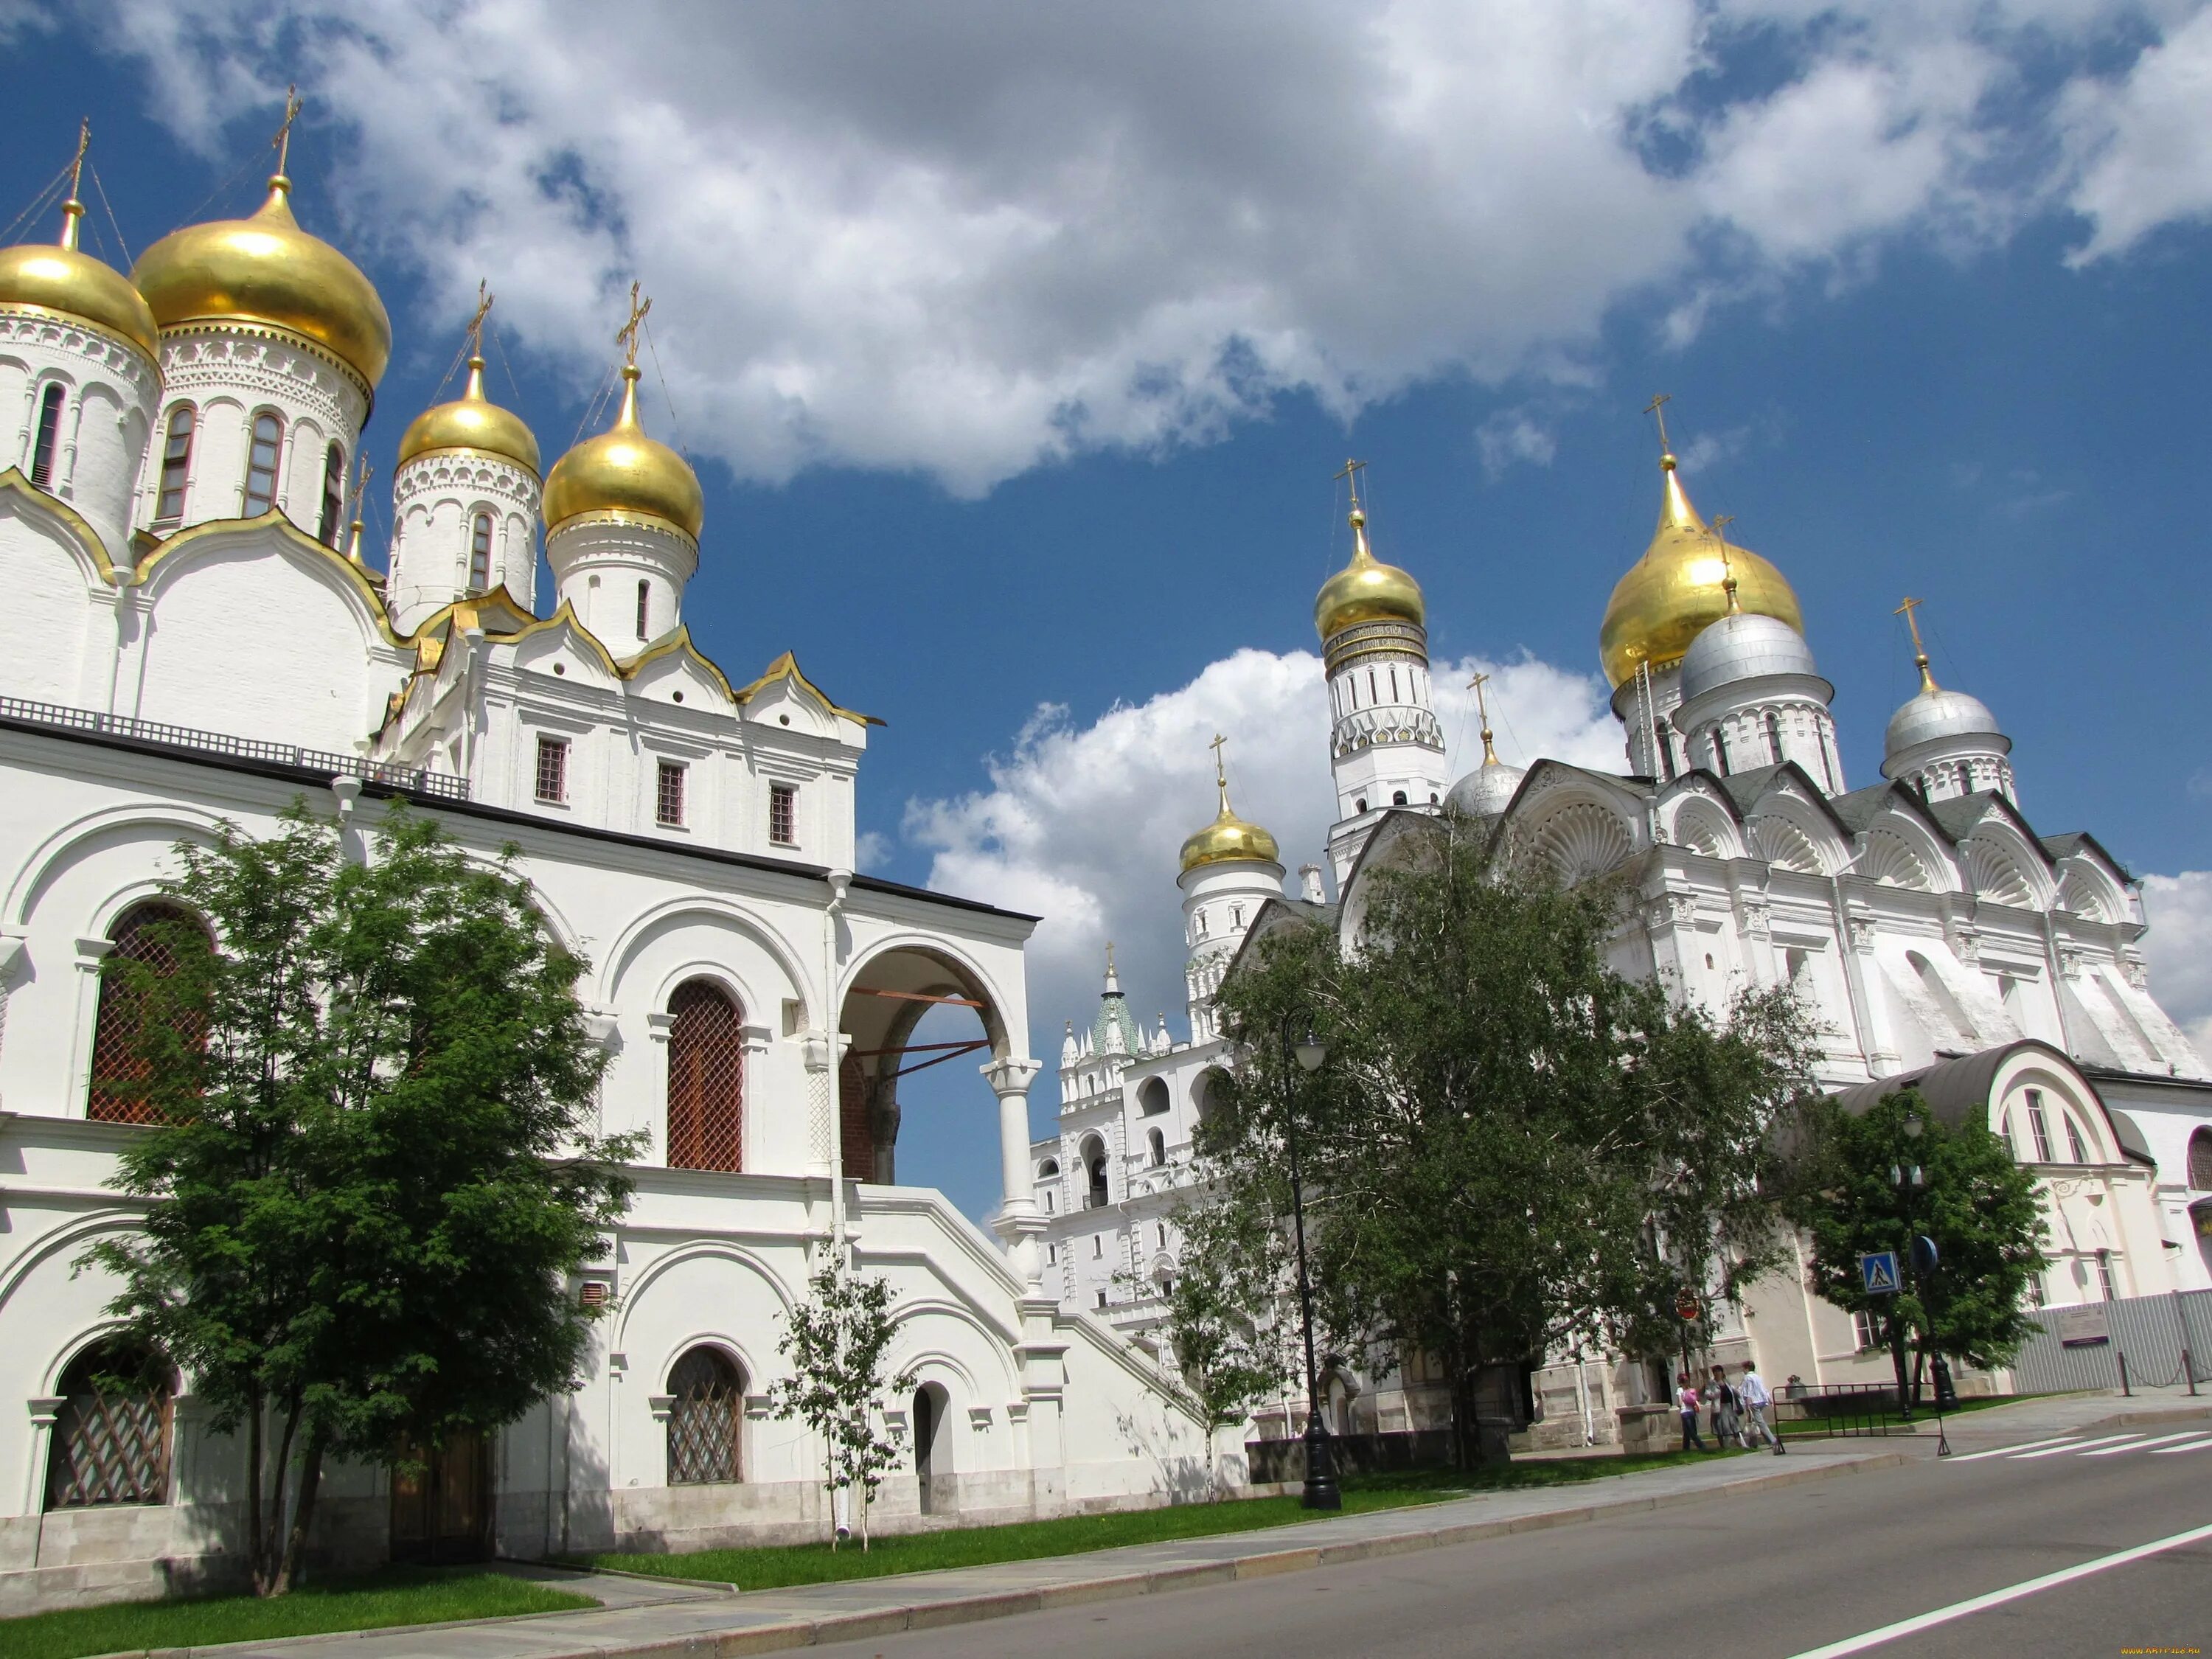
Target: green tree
1231 1325
1510 1147
1979 1207
836 1341
374 1170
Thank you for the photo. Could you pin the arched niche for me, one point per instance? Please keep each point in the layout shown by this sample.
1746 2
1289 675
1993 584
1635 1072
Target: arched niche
907 1008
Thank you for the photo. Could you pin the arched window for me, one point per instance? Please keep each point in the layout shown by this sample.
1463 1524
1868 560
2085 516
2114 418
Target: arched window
2200 1160
176 462
146 934
644 608
706 1079
1397 798
111 1438
1096 1196
1152 1097
48 440
2073 1139
704 1415
480 553
333 496
1720 749
1157 1144
1774 736
261 464
930 1411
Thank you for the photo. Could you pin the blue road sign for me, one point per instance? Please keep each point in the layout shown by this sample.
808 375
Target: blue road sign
1878 1272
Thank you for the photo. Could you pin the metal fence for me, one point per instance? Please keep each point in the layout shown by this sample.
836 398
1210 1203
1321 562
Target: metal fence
415 780
2151 1331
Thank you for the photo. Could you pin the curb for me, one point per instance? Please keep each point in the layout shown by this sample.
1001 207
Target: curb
799 1633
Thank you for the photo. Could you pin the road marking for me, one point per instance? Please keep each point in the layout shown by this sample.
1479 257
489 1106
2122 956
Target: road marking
2143 1445
2079 1446
1875 1639
2194 1445
2007 1451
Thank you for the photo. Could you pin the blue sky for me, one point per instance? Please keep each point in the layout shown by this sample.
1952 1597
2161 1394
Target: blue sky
1018 350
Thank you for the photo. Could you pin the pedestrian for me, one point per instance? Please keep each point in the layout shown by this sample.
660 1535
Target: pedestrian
1726 1431
1685 1402
1757 1402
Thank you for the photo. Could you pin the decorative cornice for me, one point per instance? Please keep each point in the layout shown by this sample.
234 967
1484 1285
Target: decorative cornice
133 353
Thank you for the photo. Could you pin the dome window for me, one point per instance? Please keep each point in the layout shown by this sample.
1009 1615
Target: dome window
261 464
176 462
49 438
333 496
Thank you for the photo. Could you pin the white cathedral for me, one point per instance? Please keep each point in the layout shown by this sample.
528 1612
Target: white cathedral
190 633
1934 933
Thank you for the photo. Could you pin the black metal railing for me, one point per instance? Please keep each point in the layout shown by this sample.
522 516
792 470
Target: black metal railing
415 780
1847 1408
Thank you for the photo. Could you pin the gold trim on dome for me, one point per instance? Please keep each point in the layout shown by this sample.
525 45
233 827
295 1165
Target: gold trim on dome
1679 587
260 328
265 269
623 515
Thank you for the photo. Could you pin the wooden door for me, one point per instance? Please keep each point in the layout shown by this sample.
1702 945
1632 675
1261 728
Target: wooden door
442 1511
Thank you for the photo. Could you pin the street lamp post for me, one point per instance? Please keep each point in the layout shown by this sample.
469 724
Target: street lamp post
1321 1488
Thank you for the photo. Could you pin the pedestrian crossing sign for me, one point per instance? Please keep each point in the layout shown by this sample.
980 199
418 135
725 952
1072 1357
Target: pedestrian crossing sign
1878 1272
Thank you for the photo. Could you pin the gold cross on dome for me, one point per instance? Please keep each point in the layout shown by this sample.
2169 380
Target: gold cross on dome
1109 956
1910 612
1657 409
1220 772
484 297
76 162
1351 471
282 143
626 336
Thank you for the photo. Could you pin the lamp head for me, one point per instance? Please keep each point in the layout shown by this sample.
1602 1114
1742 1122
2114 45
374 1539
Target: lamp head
1311 1053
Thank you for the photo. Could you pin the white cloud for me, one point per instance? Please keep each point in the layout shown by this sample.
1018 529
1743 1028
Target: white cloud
972 237
1514 435
2178 948
1082 825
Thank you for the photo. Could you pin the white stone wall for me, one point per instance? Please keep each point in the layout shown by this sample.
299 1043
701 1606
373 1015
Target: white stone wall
109 393
436 499
598 562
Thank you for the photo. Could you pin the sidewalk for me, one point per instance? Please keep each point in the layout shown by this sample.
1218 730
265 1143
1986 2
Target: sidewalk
680 1621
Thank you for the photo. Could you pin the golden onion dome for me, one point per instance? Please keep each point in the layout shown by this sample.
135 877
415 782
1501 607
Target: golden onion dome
623 470
1366 589
1679 588
265 268
1229 840
470 420
60 278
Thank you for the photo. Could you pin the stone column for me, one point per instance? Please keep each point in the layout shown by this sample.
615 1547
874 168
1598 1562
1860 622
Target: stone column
1017 1223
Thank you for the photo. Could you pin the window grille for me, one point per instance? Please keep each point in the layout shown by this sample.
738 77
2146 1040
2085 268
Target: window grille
176 461
111 1438
2038 1128
2200 1160
49 437
704 1420
261 464
333 496
783 814
553 768
480 553
143 933
706 1079
668 794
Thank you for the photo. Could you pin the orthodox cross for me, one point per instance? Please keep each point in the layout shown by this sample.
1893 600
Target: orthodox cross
626 336
1482 702
1109 958
1350 472
76 162
282 143
484 297
1728 565
1220 772
1910 610
1657 410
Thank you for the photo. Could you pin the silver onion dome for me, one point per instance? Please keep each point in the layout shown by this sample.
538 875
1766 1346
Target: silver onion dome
1935 712
1486 791
1743 646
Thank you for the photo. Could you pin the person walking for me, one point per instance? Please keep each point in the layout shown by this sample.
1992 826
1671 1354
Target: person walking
1757 1402
1685 1402
1726 1431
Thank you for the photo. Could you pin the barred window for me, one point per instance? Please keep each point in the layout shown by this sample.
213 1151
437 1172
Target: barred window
480 553
706 1079
553 768
705 1418
261 464
176 462
668 794
333 496
111 1438
783 814
144 933
49 437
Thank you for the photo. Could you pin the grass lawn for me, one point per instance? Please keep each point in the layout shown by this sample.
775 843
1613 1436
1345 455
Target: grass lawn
1814 1428
1027 1541
398 1595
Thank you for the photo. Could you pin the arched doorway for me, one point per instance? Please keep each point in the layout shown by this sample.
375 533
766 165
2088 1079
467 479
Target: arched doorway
930 1408
907 1011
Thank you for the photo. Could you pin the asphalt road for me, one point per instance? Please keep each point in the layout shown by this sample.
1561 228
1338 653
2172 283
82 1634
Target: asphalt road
1768 1576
